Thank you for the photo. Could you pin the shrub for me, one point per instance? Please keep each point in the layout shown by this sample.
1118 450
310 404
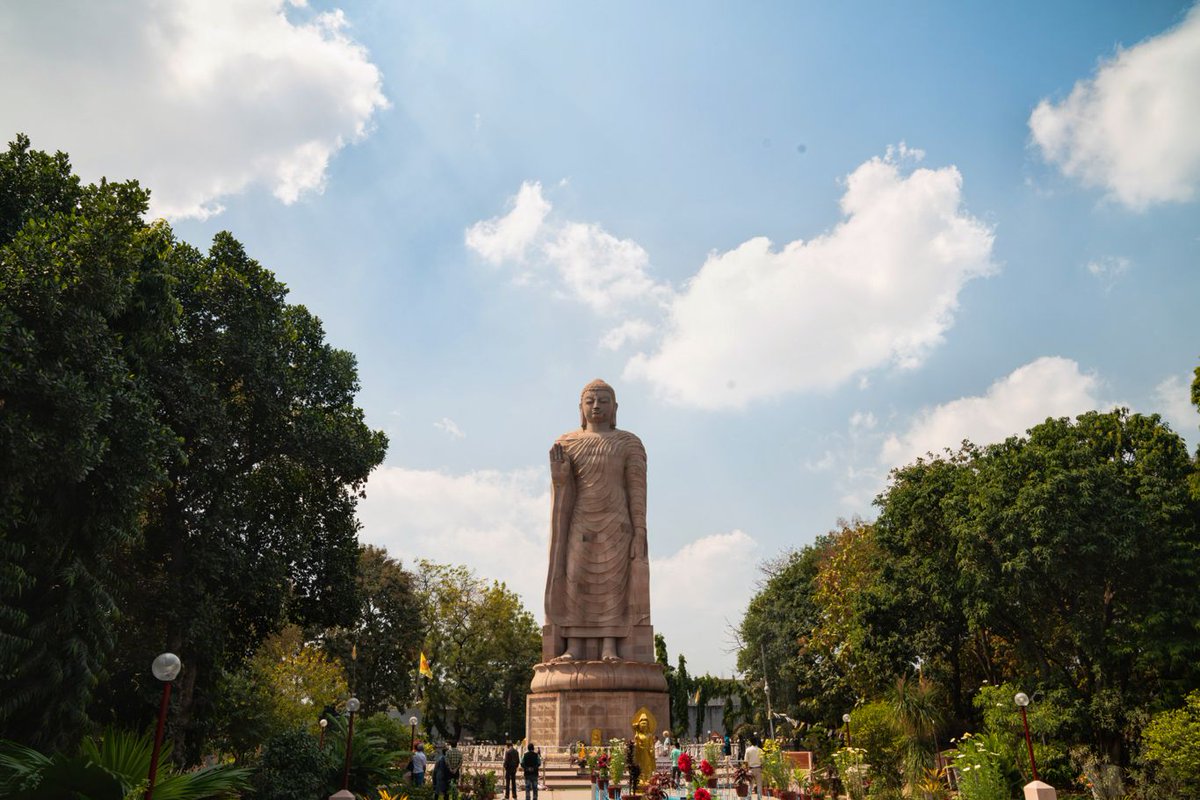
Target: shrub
292 765
1171 750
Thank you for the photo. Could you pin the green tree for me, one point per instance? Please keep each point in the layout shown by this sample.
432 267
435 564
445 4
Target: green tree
1078 545
85 308
255 524
380 649
481 643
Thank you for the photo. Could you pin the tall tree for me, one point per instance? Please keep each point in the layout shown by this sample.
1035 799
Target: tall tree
255 524
481 643
380 649
85 307
1079 545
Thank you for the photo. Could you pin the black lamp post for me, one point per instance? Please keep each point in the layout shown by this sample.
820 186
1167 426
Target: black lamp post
324 723
412 721
846 719
166 668
1022 700
352 705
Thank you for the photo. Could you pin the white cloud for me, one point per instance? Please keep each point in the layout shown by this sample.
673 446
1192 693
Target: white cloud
880 288
862 420
1131 128
1048 387
698 592
632 330
197 99
1173 400
1108 269
589 265
450 428
497 523
508 238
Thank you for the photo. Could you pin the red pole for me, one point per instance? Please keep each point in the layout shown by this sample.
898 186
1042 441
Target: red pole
158 734
1029 744
349 748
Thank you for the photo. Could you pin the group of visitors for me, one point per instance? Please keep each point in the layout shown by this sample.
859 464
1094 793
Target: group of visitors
530 763
448 767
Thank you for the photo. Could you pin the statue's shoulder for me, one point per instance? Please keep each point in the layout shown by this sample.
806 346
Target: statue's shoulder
570 436
629 440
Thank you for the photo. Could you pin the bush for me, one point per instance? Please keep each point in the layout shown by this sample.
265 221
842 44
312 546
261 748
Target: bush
292 765
873 729
1171 751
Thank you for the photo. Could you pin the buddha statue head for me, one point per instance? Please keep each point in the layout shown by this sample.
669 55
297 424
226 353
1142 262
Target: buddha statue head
598 401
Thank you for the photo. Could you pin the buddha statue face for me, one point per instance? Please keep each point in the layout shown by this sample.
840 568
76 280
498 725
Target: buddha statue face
598 406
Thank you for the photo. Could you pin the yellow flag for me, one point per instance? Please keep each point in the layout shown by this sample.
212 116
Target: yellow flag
696 697
424 667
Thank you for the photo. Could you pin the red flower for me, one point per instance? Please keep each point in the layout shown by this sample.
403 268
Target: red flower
685 763
706 768
703 794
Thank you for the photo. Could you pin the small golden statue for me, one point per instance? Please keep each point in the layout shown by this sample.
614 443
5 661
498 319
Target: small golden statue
644 725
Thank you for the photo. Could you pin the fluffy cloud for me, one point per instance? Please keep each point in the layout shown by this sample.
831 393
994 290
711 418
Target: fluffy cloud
1131 128
1048 387
450 428
497 523
508 238
1108 269
699 592
197 99
1173 400
589 264
880 288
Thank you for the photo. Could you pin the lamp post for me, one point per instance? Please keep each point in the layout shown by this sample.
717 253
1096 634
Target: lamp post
1022 700
352 705
324 723
166 668
846 719
412 722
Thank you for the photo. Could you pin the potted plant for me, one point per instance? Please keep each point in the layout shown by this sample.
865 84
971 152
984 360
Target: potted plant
616 767
741 780
634 772
709 773
602 770
657 786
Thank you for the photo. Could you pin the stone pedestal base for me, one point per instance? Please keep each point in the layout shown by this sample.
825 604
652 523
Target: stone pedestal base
563 718
1036 790
568 700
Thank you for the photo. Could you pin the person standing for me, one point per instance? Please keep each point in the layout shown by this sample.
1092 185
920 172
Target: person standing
454 759
419 763
676 751
512 760
530 763
754 762
441 777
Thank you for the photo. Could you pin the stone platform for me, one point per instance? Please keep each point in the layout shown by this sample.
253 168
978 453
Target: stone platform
567 700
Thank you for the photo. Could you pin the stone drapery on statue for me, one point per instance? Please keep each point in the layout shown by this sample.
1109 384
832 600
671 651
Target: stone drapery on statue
598 644
599 579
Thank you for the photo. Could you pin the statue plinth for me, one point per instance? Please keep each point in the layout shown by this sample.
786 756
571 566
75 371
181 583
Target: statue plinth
568 699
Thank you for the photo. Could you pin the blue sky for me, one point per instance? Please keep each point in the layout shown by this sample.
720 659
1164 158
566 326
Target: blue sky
806 242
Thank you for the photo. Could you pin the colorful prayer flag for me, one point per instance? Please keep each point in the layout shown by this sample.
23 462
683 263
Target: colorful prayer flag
424 667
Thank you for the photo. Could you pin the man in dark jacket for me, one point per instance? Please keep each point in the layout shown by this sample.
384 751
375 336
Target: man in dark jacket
512 760
530 762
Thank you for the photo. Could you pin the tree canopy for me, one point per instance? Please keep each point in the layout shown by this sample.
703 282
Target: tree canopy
182 455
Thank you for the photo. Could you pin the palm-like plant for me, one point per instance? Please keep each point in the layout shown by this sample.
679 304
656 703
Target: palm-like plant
916 711
111 767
